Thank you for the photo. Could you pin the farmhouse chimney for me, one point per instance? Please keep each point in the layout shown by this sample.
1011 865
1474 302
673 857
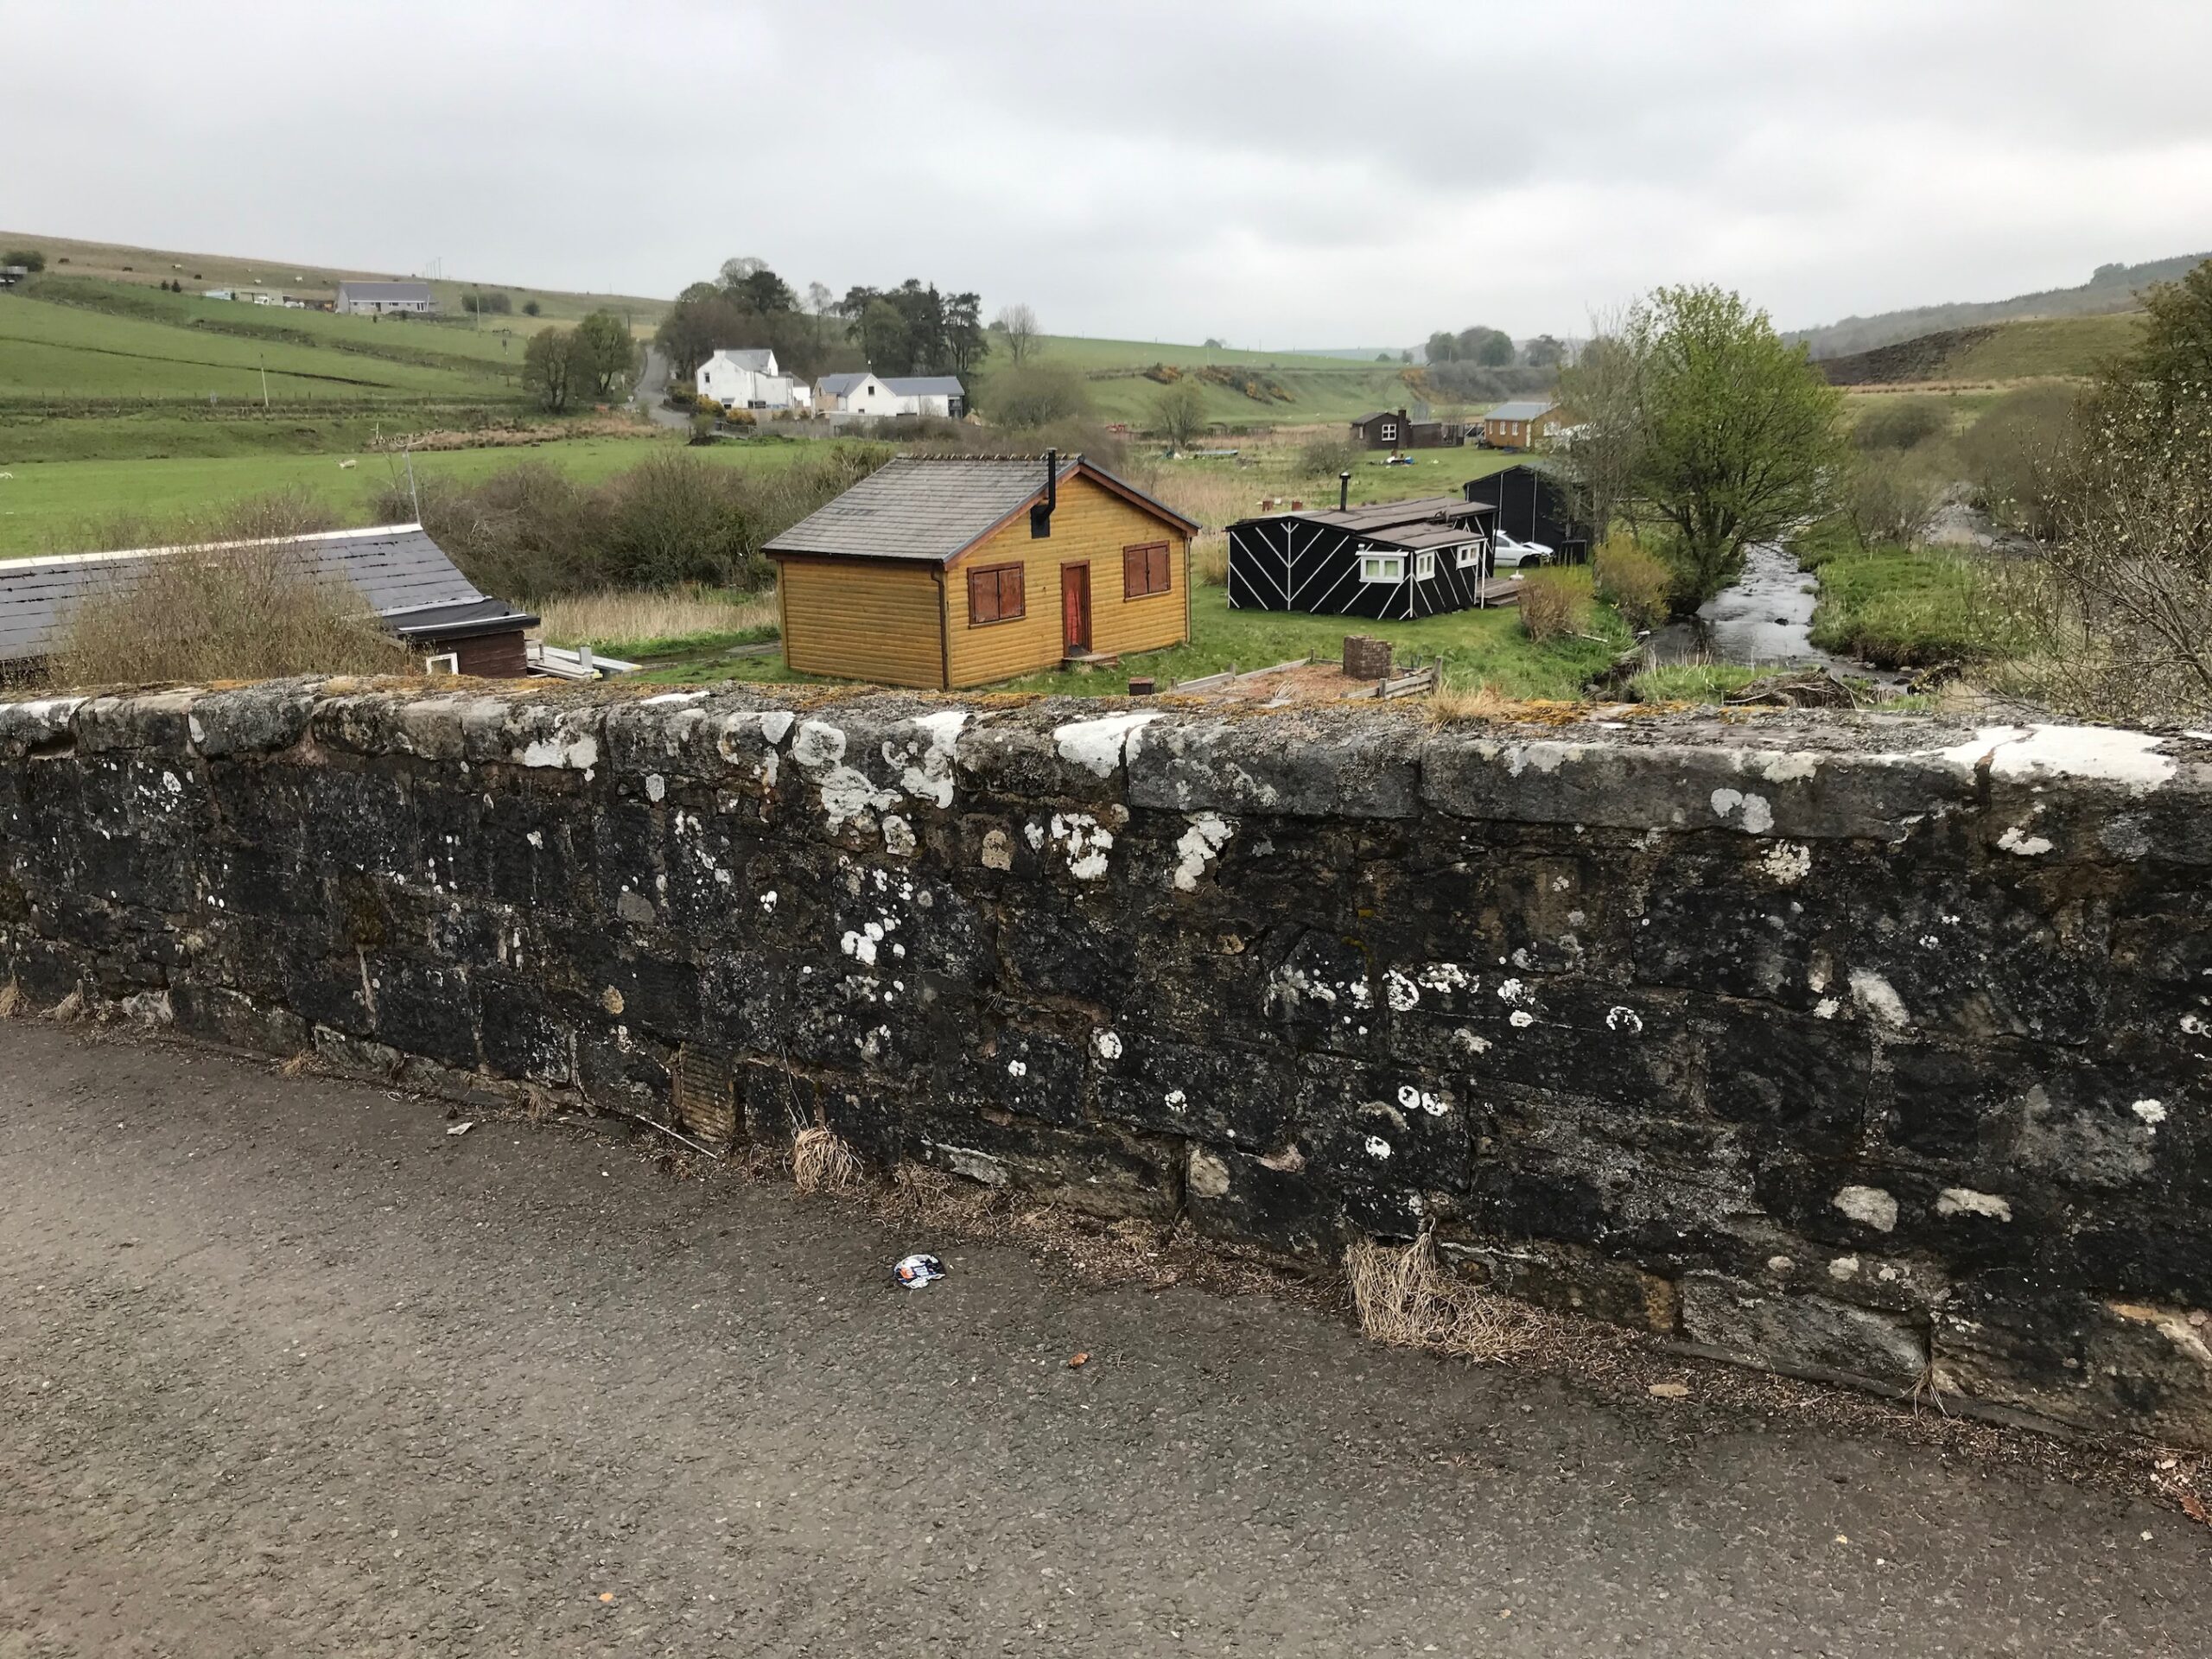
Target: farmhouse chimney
1343 491
1040 515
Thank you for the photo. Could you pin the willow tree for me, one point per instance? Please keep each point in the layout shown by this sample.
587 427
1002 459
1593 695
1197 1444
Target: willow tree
1739 440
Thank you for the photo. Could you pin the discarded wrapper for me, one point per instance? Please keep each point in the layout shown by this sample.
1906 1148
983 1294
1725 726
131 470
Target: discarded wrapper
915 1271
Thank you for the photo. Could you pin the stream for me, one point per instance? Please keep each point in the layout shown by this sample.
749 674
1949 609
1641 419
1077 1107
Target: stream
1764 617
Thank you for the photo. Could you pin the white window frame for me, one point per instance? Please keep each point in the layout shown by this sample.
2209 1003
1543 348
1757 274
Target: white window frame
1382 568
1424 567
1467 555
1388 431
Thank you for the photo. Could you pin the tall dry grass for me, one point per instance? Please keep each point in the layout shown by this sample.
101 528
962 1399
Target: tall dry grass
1406 1300
255 611
1554 603
617 616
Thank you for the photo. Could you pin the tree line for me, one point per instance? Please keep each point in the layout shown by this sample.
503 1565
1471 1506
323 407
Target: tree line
1493 348
914 328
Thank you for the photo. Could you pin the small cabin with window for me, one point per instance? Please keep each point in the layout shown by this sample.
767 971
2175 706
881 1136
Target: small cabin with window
1533 504
1525 425
1393 560
1397 429
946 571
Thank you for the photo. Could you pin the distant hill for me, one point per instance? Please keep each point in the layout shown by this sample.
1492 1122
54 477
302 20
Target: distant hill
1990 354
2112 288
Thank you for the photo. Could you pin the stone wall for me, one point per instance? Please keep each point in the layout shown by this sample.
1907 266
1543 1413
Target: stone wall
1874 1048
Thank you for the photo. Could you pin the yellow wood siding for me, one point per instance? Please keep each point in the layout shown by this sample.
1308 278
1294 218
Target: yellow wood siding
1091 525
863 621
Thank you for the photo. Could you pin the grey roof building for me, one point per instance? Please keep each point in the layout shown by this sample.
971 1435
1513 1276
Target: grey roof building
836 385
376 298
926 385
404 576
1528 409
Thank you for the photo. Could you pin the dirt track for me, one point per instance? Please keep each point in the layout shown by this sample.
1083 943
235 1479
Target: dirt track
290 1370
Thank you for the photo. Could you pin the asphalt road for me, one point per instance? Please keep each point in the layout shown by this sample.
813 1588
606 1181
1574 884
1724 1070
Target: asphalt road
652 386
288 1369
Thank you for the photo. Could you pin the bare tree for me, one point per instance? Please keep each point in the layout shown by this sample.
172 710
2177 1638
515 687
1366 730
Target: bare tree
1019 324
1602 392
1181 413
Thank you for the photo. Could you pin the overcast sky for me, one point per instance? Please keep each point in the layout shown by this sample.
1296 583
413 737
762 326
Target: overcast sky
1275 172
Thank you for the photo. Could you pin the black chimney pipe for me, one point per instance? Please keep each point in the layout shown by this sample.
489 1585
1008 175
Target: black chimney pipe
1040 515
1343 491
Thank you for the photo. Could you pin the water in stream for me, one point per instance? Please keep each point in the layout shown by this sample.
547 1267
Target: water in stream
1764 617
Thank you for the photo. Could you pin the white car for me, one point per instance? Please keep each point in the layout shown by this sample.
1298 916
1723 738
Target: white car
1512 555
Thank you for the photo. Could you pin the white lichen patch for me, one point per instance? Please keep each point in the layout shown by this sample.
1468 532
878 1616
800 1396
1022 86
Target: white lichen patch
2131 759
1469 1043
1413 1097
1965 1201
579 754
2013 840
1447 977
998 850
1513 990
1097 746
1199 845
1377 1148
666 698
1870 1204
655 786
898 837
2150 1112
1756 815
1207 1176
1627 1020
1017 1069
1175 1101
1788 862
1399 992
1107 1044
1520 1019
1085 842
926 764
1879 998
1844 1267
768 900
859 947
1792 767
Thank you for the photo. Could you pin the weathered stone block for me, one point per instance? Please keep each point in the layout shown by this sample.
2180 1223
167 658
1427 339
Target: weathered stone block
1802 1333
1308 767
1568 1279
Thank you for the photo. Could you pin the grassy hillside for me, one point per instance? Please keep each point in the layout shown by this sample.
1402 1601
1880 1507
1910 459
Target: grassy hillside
2112 288
145 267
1992 354
1242 388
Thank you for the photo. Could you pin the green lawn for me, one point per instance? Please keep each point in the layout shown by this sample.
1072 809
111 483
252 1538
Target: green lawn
52 352
44 503
1476 648
1908 608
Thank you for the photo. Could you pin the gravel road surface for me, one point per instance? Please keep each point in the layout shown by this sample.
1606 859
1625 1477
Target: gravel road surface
288 1370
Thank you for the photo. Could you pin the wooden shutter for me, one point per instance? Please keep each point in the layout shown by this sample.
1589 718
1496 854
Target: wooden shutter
1145 569
996 595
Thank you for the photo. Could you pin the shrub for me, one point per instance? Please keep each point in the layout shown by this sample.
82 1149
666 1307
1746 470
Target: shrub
1634 581
529 308
30 258
1327 454
1901 424
242 613
1889 497
2010 452
1554 604
1035 395
1209 559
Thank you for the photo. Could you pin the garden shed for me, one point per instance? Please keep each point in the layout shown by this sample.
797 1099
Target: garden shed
1393 559
943 571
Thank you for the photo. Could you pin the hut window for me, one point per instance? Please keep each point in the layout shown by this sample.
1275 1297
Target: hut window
994 595
1389 433
1425 567
1144 571
1382 567
1469 554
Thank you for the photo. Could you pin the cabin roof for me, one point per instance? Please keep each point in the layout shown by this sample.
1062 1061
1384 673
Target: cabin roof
936 507
397 568
1527 409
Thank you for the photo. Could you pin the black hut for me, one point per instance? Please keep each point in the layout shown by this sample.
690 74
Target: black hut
1393 561
1534 506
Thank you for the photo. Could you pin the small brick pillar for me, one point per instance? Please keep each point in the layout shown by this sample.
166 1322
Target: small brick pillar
1366 658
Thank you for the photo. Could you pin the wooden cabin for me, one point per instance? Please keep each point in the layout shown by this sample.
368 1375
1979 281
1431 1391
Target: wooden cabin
1534 506
1522 425
945 571
403 575
1394 430
1396 560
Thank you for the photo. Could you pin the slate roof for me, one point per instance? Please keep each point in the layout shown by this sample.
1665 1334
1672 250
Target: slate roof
757 359
403 575
927 386
1427 521
387 292
935 507
1526 409
836 385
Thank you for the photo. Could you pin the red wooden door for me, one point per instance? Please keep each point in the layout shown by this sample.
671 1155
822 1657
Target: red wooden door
1074 608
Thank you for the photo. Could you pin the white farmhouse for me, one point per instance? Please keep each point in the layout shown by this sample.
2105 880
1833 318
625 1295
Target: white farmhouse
865 394
749 379
386 299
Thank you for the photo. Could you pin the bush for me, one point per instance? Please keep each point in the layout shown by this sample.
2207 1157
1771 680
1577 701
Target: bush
1555 604
1902 607
1327 454
1889 497
250 613
529 532
529 308
1901 424
1635 582
1035 395
2009 454
30 258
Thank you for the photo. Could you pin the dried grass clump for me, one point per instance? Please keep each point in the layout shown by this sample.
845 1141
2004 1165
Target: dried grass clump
1455 702
1407 1300
252 611
1209 559
11 999
820 1162
616 616
69 1009
1554 604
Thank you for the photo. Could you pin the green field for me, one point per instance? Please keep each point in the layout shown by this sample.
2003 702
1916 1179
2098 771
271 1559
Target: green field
48 506
2076 346
143 267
